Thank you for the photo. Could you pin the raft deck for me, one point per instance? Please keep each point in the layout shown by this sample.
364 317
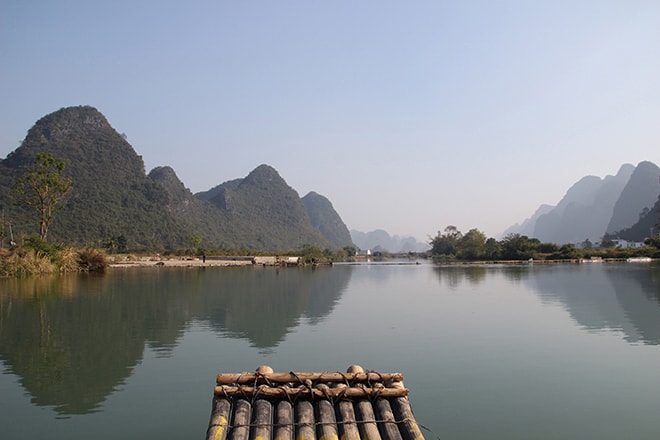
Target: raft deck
307 406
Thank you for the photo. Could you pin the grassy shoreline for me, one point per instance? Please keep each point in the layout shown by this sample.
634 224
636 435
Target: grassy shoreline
37 257
43 258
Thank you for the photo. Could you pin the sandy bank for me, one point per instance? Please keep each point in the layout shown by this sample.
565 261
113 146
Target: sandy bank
175 262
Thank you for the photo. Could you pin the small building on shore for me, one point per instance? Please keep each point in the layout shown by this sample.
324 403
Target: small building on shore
627 244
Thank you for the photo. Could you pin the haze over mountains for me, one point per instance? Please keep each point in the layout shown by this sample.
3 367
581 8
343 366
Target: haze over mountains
113 197
625 205
380 240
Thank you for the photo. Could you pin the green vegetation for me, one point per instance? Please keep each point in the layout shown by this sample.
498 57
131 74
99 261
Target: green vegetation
325 219
313 254
114 204
110 196
452 245
38 257
3 229
653 242
42 188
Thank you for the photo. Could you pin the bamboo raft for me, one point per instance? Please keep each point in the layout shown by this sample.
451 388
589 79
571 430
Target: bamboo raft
307 406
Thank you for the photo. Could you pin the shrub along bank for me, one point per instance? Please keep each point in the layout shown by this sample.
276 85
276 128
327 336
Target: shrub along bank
37 257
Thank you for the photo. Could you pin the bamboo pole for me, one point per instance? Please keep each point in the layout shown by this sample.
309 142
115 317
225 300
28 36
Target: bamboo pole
409 428
284 421
368 427
403 412
305 420
346 416
241 423
219 420
251 378
282 392
327 430
388 427
262 420
369 406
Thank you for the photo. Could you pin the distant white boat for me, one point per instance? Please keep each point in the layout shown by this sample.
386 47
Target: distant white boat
639 260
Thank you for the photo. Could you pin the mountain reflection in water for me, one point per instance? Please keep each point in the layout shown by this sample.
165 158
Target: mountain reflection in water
72 340
622 297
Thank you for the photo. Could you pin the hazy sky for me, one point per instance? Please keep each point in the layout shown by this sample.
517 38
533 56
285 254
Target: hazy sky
408 115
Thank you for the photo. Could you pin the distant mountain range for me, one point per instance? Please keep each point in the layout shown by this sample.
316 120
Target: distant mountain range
113 197
625 206
380 240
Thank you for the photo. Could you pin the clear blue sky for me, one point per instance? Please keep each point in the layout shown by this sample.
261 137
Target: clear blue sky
408 115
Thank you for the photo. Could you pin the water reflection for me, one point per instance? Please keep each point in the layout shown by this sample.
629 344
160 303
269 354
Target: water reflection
638 292
68 350
72 340
264 305
454 276
622 297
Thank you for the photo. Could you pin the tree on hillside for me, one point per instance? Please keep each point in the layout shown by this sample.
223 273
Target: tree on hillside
657 225
3 231
42 188
653 241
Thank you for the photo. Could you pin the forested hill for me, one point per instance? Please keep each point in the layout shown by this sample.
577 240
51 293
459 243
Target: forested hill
271 208
113 197
324 218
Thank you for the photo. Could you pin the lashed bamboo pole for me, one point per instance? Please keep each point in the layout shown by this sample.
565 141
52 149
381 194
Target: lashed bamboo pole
403 412
305 421
325 414
219 420
368 406
241 422
368 427
251 378
262 420
346 415
284 421
282 392
409 428
388 427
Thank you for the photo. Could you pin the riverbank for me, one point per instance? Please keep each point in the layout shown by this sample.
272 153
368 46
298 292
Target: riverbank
39 257
158 261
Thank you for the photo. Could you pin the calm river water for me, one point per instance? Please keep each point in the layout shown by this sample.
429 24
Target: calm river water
533 352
